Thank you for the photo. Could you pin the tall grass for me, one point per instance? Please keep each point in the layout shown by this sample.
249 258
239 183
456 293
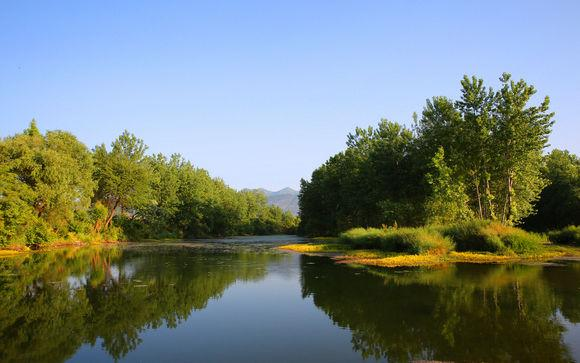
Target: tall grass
486 236
475 236
567 236
410 240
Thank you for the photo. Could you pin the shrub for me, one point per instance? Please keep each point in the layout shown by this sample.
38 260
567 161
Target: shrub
362 237
473 236
113 234
410 240
569 235
486 236
522 242
39 233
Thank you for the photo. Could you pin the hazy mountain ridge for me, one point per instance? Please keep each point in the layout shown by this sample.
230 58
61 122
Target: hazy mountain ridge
286 198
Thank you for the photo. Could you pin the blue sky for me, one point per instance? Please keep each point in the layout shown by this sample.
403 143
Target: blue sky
262 92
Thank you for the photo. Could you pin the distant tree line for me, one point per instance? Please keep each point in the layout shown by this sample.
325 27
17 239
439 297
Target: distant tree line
52 187
479 157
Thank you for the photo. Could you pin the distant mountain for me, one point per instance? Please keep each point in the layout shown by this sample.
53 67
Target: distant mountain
287 199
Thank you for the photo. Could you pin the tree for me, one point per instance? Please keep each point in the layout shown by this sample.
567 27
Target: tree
559 203
493 142
123 175
448 201
373 182
50 174
522 134
490 169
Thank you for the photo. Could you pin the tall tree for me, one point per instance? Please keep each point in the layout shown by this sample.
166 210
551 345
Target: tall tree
123 175
522 134
493 143
50 173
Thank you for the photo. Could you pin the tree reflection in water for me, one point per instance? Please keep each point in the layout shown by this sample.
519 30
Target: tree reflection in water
491 313
52 303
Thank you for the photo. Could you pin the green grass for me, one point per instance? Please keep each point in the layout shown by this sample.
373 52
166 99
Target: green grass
486 236
472 236
566 236
467 242
423 240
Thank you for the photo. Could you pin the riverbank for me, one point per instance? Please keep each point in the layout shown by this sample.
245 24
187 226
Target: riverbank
23 250
343 253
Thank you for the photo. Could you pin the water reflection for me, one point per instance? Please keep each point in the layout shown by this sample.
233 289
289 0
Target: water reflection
52 303
490 313
152 301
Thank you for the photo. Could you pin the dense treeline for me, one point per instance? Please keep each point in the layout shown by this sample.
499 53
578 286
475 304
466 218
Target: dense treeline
52 187
559 203
479 157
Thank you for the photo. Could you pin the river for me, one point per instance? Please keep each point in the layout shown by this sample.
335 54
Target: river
241 300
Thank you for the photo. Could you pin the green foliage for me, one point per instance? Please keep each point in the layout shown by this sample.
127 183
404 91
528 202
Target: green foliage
123 175
481 236
473 236
51 190
39 233
448 201
568 236
493 144
477 157
16 211
187 202
373 182
410 240
487 236
559 203
44 179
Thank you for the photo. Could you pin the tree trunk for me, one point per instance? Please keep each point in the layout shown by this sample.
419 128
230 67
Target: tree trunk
479 199
490 213
111 214
509 199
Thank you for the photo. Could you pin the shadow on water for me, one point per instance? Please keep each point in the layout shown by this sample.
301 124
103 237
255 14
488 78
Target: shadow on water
488 313
52 303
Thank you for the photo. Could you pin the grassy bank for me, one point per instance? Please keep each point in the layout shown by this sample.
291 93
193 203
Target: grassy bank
471 242
16 250
567 236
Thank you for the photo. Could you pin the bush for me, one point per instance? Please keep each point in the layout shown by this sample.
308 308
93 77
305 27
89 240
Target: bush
486 236
477 236
473 236
410 240
113 234
522 242
39 233
569 235
362 237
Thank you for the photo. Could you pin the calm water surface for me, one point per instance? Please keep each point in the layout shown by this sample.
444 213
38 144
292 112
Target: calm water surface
239 300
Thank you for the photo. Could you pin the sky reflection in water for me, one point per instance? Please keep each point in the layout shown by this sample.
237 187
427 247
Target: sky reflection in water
239 301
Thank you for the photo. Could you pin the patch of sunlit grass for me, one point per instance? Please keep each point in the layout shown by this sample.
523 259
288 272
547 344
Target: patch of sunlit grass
568 251
9 253
480 257
313 248
395 261
369 254
372 257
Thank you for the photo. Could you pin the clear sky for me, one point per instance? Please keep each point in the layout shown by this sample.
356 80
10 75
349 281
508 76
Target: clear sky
262 92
